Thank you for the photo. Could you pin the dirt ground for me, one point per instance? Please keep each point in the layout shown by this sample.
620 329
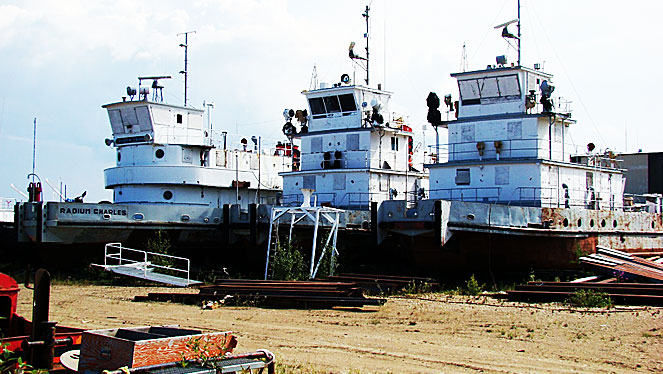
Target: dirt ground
420 334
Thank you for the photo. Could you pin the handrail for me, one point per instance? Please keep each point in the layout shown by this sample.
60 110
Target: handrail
461 194
120 258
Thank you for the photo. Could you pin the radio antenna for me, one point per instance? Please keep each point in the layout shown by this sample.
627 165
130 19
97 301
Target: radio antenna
185 71
34 147
518 32
365 15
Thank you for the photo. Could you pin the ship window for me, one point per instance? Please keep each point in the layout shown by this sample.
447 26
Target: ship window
119 156
489 87
316 144
178 118
347 103
509 85
462 176
317 107
159 153
469 89
394 143
167 195
309 182
331 104
339 181
473 90
352 142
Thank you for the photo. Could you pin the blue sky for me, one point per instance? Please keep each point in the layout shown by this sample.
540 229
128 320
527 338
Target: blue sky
62 60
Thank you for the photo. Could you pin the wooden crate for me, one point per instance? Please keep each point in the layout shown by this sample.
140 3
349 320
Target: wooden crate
133 347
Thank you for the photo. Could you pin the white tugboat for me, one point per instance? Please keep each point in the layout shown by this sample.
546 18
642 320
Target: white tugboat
354 150
166 155
511 193
173 171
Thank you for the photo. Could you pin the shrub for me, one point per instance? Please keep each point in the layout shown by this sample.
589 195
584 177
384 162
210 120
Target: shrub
589 299
472 287
288 263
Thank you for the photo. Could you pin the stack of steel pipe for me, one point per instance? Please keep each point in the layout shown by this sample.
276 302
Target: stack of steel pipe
268 293
623 264
619 293
377 284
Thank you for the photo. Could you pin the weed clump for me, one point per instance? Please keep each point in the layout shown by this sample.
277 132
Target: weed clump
589 299
472 287
288 263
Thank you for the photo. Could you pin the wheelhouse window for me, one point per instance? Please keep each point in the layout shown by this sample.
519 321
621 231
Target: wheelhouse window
321 106
462 176
347 103
472 91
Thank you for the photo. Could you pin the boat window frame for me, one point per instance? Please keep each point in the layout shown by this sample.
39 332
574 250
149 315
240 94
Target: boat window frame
346 106
472 90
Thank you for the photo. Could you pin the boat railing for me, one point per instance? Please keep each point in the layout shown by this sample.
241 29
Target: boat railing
554 197
115 254
533 148
471 194
318 198
652 203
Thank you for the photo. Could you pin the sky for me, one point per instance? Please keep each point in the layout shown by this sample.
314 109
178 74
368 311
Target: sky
60 61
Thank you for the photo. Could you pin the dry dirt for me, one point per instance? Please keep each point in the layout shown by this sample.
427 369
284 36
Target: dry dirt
423 334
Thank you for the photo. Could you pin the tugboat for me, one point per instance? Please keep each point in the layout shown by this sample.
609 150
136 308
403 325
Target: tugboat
512 194
173 172
354 150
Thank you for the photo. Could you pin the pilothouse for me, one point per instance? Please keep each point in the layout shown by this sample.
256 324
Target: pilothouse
354 150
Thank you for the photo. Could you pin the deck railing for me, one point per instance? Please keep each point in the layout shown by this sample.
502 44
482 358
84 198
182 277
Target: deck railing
116 252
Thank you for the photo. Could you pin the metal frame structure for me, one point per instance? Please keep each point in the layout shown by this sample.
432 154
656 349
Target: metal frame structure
317 216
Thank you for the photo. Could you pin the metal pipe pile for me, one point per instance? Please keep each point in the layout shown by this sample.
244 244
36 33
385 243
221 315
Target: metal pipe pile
379 284
619 293
615 264
267 293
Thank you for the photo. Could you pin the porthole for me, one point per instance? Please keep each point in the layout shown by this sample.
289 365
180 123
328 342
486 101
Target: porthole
168 195
239 198
591 223
159 153
579 222
602 223
352 181
119 156
614 223
565 222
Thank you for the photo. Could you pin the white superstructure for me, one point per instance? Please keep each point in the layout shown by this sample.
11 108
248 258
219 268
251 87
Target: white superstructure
507 146
354 151
165 154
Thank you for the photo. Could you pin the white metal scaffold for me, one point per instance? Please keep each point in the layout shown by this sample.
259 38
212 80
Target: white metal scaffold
318 216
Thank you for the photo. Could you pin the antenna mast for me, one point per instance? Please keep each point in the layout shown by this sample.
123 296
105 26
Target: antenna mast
365 15
185 71
463 59
518 33
34 147
314 79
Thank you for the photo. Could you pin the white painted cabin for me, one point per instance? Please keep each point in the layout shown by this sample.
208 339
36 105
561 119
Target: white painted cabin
505 148
165 154
349 157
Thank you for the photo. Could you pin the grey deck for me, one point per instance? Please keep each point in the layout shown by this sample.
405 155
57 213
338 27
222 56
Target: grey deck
137 271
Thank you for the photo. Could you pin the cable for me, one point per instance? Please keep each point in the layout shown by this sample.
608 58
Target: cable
561 63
